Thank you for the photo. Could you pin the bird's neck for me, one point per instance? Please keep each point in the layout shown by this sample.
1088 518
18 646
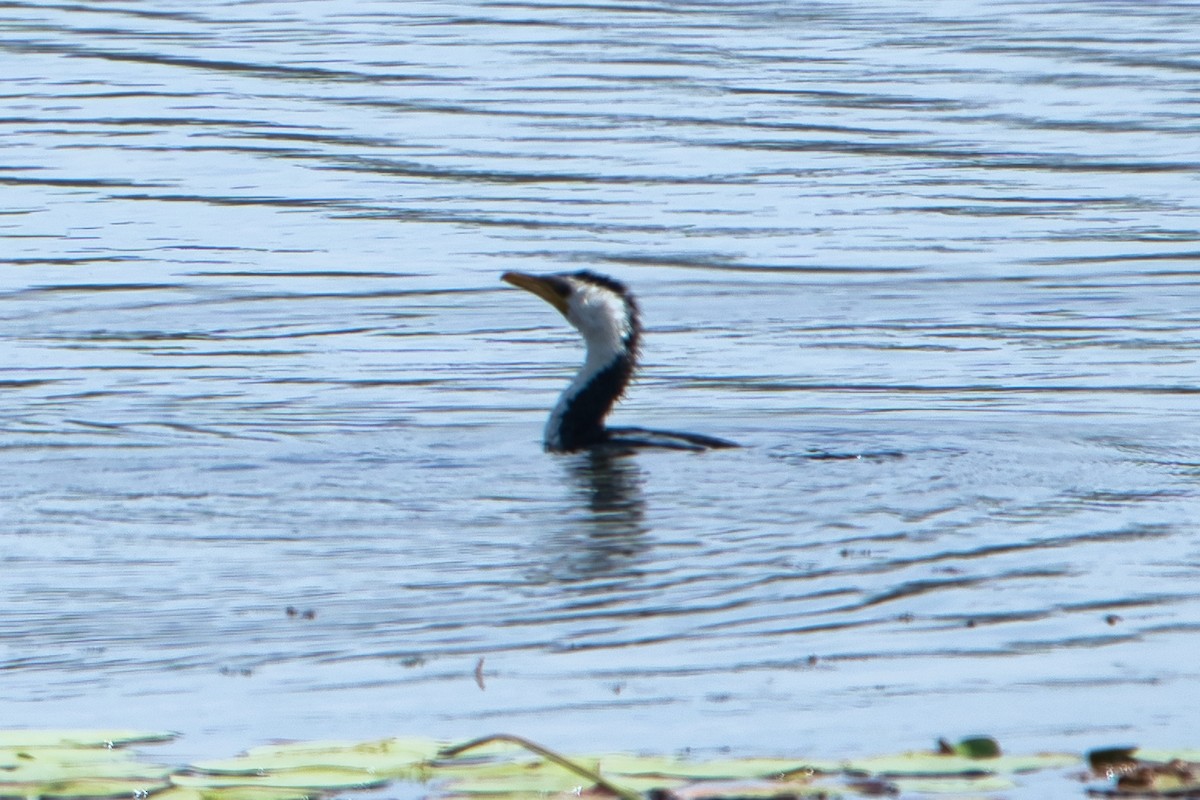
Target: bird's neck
577 421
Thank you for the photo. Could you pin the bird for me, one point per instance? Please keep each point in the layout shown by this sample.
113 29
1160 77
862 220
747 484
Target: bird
606 314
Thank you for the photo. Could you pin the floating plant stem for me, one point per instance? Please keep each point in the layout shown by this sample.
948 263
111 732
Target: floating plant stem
549 755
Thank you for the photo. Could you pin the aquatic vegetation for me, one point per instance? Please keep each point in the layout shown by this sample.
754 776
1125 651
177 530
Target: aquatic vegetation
72 765
1150 774
77 764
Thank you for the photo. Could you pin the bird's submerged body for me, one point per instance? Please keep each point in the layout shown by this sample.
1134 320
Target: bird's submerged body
607 316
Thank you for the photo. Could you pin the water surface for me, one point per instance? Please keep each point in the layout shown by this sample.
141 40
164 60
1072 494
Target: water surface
937 269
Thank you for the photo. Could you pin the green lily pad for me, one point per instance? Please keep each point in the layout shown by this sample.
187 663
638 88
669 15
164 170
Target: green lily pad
392 758
720 790
925 764
977 747
968 787
80 788
728 769
314 778
83 765
492 778
68 765
78 738
234 793
59 764
514 774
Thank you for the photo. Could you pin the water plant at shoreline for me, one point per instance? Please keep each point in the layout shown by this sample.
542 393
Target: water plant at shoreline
73 765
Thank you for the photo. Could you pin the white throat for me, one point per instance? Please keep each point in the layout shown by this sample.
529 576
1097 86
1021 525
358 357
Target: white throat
604 322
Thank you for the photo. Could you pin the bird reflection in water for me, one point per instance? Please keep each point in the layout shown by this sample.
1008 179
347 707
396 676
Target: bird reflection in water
608 536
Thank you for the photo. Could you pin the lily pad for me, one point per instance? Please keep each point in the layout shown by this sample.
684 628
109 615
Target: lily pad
51 764
971 747
725 769
405 759
968 787
234 793
74 764
722 790
82 765
80 788
508 779
315 778
80 738
925 764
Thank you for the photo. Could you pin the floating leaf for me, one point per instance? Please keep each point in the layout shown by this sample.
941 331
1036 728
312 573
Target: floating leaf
82 765
393 758
955 786
77 738
66 764
315 778
234 793
79 788
516 778
721 790
546 778
51 764
590 775
924 764
727 769
978 747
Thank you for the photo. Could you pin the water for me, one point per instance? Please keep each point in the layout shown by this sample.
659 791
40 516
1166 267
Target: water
936 267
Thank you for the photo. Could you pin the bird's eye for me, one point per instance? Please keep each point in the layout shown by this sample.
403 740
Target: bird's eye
561 286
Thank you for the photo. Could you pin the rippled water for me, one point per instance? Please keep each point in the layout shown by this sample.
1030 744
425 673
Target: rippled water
936 266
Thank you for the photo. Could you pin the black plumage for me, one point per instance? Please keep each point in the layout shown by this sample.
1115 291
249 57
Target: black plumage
605 313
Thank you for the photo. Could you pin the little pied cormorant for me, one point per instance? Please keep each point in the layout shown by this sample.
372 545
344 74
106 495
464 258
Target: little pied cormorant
606 315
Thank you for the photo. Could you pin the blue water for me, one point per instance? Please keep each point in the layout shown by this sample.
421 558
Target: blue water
935 267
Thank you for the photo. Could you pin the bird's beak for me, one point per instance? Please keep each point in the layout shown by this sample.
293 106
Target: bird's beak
554 291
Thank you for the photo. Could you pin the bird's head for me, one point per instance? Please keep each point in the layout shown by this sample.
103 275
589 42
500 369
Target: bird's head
600 308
